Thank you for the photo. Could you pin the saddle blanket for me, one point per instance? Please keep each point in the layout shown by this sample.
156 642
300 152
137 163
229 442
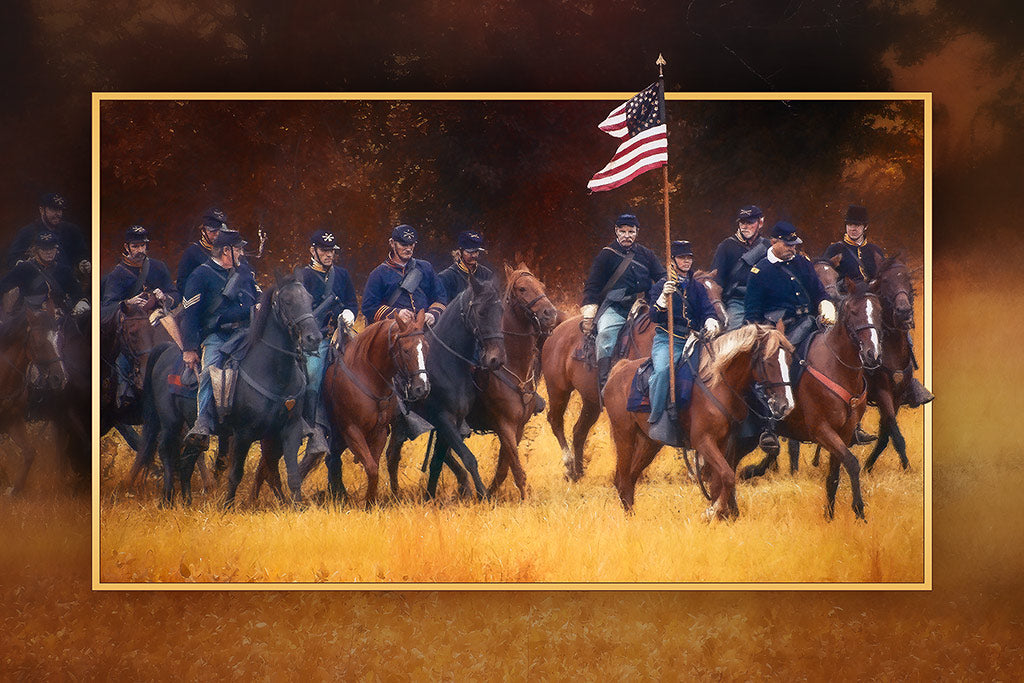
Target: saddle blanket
639 400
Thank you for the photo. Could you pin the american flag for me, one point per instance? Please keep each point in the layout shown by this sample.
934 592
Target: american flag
641 122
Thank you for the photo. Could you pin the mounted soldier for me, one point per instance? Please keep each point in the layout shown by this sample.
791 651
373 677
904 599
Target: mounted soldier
734 258
43 276
131 281
212 222
218 299
334 307
402 285
455 277
692 315
620 276
73 249
784 287
858 259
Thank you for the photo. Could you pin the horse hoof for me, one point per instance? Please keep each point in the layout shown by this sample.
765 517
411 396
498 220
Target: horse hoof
707 515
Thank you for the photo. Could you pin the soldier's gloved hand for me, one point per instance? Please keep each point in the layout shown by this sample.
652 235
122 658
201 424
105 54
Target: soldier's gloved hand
711 327
80 308
191 359
430 319
84 267
827 312
668 290
348 317
160 296
405 315
136 300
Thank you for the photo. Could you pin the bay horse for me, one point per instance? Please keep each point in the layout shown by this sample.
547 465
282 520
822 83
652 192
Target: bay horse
507 397
888 385
31 364
471 322
564 374
360 395
729 367
127 330
831 394
269 390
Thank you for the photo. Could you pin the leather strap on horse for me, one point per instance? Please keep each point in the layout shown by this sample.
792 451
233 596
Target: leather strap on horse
266 393
707 392
617 275
381 400
849 399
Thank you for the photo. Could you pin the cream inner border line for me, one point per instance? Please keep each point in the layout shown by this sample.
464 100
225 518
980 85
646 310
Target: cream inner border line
925 97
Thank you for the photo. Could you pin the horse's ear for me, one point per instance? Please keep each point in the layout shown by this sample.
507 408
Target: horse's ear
780 327
713 273
836 260
508 270
421 317
848 284
475 285
522 266
401 325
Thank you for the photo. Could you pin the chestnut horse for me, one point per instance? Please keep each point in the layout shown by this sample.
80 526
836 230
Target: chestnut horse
563 375
359 393
507 397
831 394
887 386
31 363
729 366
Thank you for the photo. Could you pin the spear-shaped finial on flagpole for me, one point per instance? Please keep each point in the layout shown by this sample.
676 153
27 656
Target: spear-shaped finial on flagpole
661 63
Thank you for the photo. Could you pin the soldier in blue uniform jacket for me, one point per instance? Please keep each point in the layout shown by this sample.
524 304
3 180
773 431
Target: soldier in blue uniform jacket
213 221
384 295
691 312
74 248
455 277
41 275
783 286
733 260
329 307
216 308
124 285
609 302
857 255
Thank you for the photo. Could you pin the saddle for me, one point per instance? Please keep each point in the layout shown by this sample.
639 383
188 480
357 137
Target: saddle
637 322
224 379
639 399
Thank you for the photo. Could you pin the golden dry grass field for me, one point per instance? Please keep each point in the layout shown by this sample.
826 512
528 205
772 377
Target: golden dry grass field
563 533
967 628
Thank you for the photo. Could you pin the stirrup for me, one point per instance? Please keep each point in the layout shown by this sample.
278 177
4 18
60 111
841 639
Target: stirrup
860 437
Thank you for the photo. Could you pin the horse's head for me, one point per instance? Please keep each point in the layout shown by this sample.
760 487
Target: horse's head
293 306
525 293
46 365
409 348
829 276
482 315
706 279
771 361
136 336
895 289
859 314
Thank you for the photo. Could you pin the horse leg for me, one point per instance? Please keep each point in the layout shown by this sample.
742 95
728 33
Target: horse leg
292 439
335 486
831 486
393 454
220 463
239 449
268 470
723 489
758 470
501 471
446 427
19 435
816 460
588 417
794 456
170 453
558 401
518 472
842 455
644 451
357 443
186 466
898 441
128 433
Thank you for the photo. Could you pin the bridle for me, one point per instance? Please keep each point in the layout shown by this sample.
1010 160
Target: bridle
402 373
290 325
889 303
527 307
854 334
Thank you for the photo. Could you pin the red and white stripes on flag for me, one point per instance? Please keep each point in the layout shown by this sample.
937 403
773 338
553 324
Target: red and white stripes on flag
640 121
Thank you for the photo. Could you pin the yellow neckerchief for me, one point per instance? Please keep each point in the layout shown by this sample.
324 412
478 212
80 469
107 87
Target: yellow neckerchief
131 264
861 243
739 236
203 242
463 268
315 264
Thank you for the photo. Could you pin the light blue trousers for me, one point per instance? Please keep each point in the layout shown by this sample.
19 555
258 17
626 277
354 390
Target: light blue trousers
660 377
211 354
608 326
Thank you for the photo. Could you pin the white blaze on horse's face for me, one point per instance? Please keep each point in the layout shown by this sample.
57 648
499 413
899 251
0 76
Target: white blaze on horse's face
869 311
784 370
421 365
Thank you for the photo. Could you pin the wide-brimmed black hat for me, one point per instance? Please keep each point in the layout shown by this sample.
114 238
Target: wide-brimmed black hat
858 215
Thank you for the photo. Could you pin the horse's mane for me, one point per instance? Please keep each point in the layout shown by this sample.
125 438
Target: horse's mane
730 344
514 275
360 345
259 322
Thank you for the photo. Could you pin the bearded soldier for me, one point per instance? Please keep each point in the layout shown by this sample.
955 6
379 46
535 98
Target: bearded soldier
734 258
455 277
403 285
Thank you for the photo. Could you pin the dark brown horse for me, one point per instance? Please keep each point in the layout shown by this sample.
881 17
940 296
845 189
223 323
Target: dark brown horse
128 331
507 398
31 368
729 367
832 392
889 384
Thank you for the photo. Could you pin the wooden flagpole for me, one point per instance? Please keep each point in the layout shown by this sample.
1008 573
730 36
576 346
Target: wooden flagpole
668 242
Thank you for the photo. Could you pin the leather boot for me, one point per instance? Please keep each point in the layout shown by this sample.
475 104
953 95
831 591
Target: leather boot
317 442
860 437
604 366
917 395
199 435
